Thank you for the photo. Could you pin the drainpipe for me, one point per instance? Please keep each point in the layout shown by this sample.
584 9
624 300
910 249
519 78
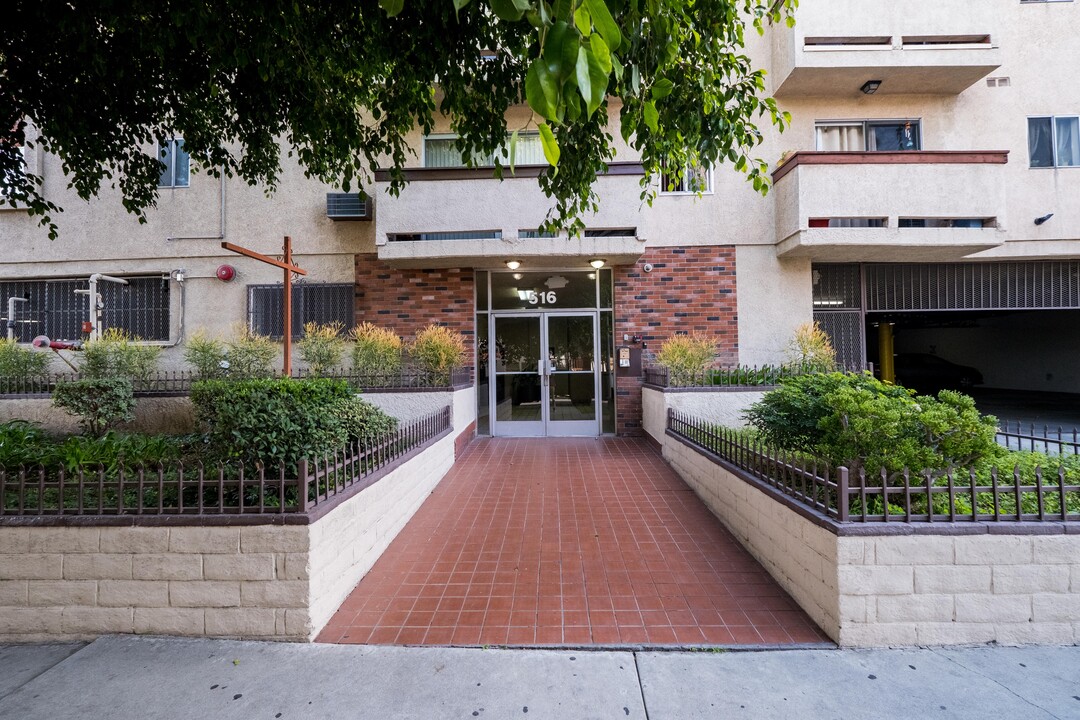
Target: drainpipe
886 351
12 301
221 221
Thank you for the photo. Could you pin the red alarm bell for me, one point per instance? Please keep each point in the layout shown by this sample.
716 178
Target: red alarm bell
225 273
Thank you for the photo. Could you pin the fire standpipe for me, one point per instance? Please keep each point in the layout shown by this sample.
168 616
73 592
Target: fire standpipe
12 301
95 304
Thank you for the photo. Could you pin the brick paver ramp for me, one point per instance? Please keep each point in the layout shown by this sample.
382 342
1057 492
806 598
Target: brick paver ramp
567 542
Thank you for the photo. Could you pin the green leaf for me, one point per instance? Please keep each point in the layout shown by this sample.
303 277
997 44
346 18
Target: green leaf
582 20
561 51
506 10
602 53
583 81
541 90
459 4
392 7
605 24
652 117
662 88
592 79
513 149
550 144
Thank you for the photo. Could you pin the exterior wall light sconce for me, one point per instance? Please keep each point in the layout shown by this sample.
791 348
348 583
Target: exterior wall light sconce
870 87
597 263
513 264
1044 218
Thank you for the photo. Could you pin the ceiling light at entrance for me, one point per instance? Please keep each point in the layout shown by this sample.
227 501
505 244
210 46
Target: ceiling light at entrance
597 263
870 87
513 264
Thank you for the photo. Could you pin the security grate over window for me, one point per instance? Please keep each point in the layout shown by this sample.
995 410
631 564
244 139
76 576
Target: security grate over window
315 302
142 307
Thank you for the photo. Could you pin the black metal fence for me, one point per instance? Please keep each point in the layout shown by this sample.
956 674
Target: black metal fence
222 489
1052 441
960 495
738 376
180 382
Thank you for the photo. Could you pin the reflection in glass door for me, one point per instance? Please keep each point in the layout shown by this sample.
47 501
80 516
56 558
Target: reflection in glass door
544 374
571 374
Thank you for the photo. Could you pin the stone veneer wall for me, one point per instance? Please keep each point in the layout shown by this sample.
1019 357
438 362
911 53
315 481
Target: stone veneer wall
410 300
689 289
275 582
898 586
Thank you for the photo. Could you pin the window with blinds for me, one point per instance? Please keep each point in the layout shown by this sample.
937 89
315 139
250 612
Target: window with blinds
440 151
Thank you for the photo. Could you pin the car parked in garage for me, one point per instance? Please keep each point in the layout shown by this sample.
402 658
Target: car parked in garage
930 373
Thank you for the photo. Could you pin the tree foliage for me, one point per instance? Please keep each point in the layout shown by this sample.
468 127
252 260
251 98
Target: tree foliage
342 85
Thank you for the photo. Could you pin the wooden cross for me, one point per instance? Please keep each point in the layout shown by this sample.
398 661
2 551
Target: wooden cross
286 263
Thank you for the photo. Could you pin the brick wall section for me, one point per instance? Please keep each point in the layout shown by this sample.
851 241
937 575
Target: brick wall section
690 289
410 300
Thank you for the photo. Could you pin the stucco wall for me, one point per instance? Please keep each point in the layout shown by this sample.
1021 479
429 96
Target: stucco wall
724 407
167 415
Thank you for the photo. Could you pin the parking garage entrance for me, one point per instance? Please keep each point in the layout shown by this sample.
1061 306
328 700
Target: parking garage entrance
1002 325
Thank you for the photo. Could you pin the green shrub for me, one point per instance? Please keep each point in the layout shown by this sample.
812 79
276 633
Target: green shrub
99 402
322 346
359 419
118 354
205 355
270 420
250 355
20 364
113 451
438 350
811 349
855 420
686 357
376 353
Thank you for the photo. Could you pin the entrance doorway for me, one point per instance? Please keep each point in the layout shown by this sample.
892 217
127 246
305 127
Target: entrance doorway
545 374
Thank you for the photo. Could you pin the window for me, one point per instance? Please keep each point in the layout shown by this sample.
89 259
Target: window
1054 141
176 164
142 307
440 151
311 302
872 135
16 175
695 179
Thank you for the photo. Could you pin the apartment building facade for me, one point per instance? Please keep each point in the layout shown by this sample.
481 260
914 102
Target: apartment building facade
926 201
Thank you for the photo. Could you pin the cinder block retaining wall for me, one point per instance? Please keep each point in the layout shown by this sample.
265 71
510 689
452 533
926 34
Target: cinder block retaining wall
235 579
900 585
869 586
168 415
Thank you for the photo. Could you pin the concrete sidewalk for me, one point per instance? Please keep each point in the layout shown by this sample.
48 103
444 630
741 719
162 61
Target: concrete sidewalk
144 678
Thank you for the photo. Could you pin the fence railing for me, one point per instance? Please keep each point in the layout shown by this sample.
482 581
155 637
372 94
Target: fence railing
221 489
1052 441
960 495
179 382
738 376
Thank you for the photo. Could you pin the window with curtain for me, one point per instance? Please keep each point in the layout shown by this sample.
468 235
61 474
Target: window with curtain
440 151
868 135
1054 141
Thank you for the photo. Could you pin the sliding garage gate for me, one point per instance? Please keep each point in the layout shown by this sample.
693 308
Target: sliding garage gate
1022 302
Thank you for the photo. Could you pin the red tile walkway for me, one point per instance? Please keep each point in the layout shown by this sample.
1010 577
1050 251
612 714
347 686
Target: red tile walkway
566 542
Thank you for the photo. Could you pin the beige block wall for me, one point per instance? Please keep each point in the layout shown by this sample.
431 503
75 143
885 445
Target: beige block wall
348 541
724 408
263 581
169 415
900 590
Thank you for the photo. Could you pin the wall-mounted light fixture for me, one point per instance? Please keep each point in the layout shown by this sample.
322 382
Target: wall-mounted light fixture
597 263
513 264
870 87
1044 218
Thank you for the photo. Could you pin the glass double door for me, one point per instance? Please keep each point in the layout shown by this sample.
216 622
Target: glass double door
544 374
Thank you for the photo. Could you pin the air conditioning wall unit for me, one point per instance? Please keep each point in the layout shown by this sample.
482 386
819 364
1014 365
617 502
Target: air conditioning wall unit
349 206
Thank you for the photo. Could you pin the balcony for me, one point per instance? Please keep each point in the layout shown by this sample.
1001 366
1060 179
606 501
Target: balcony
917 47
928 206
462 217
